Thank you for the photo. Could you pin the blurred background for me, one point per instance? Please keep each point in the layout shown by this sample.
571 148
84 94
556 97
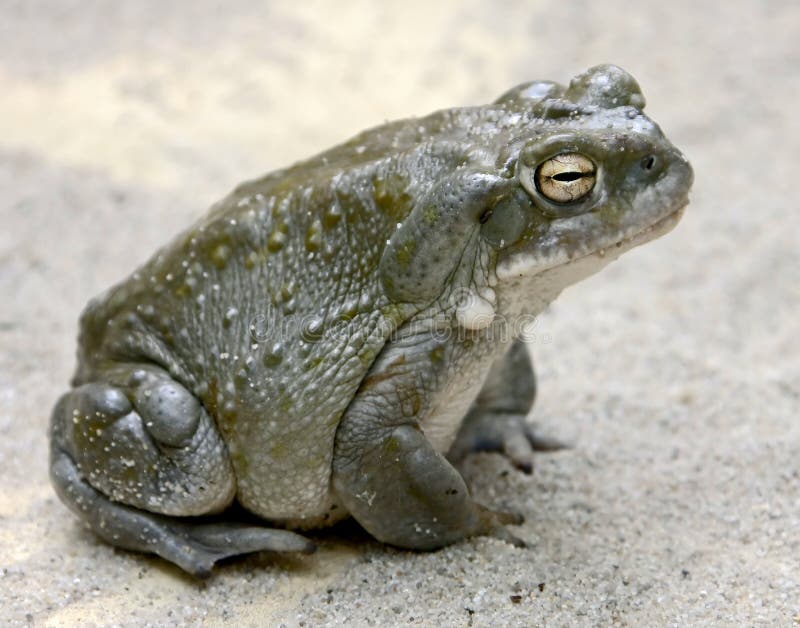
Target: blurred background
675 371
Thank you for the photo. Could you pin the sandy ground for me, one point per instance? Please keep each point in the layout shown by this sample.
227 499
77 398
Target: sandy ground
676 372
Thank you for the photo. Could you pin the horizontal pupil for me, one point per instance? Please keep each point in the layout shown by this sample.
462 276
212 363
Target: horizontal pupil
569 176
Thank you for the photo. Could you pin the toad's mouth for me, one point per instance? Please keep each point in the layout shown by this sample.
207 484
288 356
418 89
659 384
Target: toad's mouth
656 230
556 255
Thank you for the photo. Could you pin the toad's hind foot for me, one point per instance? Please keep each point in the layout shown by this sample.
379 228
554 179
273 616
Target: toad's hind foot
138 457
193 544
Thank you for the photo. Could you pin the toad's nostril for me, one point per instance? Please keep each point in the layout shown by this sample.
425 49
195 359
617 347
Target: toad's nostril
648 163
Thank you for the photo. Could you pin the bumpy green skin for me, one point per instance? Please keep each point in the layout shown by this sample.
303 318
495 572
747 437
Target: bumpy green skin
313 345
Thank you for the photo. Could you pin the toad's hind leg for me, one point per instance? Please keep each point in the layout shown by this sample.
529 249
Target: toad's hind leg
138 458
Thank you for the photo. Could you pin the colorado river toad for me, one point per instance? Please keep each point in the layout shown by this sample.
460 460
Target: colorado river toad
332 338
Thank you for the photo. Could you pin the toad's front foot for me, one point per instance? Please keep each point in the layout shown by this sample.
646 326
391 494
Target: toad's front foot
507 433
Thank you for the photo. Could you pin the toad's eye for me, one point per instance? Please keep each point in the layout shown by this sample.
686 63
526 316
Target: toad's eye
566 178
